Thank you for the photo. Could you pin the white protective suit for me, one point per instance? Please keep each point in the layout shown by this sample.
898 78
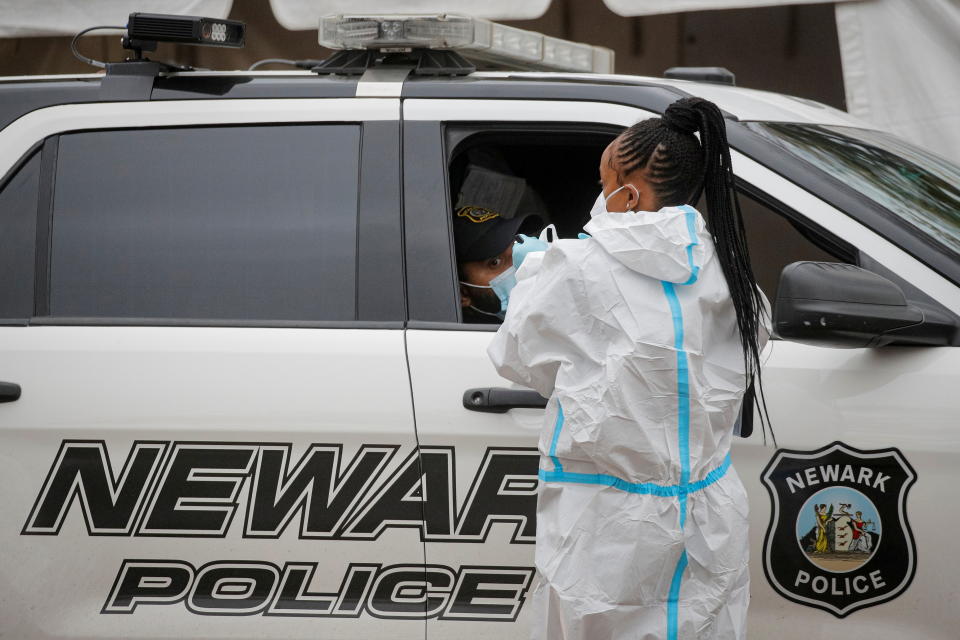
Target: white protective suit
642 522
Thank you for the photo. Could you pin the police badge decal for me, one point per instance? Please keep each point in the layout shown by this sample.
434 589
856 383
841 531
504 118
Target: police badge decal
838 538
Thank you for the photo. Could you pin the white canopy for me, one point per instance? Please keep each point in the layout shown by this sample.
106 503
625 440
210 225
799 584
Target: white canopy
900 57
901 68
27 18
901 61
305 14
651 7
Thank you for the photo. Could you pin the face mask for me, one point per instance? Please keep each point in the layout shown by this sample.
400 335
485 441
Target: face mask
501 285
504 283
600 205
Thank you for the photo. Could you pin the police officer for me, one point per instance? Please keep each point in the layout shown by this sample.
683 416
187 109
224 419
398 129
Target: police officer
491 209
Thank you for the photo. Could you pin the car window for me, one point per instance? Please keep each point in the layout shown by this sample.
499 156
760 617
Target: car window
776 241
235 223
561 168
916 185
18 232
553 173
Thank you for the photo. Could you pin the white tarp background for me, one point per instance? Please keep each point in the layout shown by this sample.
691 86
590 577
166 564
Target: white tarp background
901 68
901 58
652 7
305 14
22 19
901 61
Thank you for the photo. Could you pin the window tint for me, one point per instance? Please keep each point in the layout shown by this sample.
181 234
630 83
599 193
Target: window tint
775 242
18 236
237 223
920 187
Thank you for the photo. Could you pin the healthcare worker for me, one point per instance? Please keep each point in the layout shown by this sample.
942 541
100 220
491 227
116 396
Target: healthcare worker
644 337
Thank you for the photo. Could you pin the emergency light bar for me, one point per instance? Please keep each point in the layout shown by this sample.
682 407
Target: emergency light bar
473 38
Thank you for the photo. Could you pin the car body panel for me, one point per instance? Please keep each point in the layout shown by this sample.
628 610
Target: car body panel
742 102
871 399
443 365
246 389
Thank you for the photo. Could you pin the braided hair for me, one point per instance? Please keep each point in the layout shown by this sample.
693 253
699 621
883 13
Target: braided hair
680 168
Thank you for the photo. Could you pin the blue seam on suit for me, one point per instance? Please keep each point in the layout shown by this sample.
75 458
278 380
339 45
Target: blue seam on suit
691 217
683 419
556 436
642 488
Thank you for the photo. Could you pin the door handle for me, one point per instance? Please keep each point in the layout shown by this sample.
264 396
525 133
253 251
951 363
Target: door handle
500 400
9 391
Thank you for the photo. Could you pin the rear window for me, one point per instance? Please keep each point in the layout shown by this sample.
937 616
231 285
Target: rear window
232 223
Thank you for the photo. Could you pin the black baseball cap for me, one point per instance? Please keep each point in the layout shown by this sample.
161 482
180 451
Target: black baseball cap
490 210
481 233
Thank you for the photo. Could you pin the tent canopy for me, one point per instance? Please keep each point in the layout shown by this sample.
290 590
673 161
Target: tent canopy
29 18
651 7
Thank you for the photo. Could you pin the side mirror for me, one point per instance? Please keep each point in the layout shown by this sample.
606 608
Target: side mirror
841 305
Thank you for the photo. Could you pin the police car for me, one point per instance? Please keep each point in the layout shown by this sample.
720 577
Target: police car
240 400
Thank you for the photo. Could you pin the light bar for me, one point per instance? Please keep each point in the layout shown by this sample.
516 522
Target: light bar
473 38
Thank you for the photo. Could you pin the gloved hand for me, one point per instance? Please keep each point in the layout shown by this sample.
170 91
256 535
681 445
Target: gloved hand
525 245
583 236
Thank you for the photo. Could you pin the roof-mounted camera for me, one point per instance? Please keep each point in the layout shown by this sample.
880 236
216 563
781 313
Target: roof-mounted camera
132 79
144 31
147 29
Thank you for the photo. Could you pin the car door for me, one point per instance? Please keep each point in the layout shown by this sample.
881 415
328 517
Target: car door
885 410
870 400
480 468
204 320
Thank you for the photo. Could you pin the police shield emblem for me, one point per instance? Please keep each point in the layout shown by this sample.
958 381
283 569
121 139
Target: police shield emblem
838 537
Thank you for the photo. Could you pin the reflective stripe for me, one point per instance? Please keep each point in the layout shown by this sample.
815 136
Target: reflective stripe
673 617
683 395
643 488
683 418
556 436
691 215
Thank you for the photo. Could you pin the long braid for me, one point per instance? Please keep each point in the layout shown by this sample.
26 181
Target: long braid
681 168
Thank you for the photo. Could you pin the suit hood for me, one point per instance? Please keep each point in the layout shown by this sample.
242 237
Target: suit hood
669 245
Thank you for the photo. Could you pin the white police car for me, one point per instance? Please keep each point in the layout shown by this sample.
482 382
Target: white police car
240 400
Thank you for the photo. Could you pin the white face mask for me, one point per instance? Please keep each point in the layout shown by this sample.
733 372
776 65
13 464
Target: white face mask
600 206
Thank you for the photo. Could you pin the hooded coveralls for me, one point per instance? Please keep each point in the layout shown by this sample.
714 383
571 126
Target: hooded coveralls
642 521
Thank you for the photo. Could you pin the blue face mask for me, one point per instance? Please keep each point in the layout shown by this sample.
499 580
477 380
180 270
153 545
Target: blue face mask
504 282
501 285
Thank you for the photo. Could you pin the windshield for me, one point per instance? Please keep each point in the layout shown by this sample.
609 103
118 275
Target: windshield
920 187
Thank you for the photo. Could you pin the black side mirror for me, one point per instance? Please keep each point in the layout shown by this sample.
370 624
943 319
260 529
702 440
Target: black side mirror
841 305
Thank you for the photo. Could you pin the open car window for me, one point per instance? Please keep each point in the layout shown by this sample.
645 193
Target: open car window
557 164
561 166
